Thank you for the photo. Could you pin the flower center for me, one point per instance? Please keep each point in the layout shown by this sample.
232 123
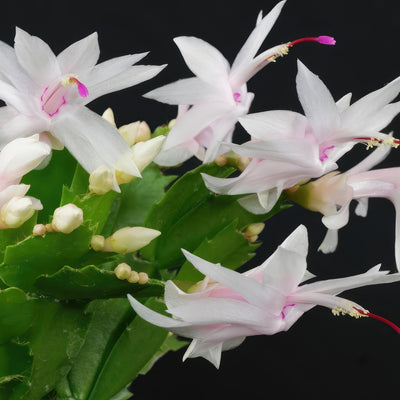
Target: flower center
236 97
54 97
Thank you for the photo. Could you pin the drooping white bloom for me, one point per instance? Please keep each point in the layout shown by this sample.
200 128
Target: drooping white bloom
48 93
288 147
228 306
218 94
332 194
16 159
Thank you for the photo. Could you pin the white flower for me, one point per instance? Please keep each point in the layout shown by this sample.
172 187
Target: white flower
229 306
48 93
218 94
288 147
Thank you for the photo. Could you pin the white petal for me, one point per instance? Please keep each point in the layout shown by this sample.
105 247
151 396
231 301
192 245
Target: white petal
81 56
330 242
338 220
365 112
93 141
36 57
173 156
252 204
132 76
275 125
12 191
256 38
21 156
193 122
317 102
185 91
249 289
205 61
362 207
344 102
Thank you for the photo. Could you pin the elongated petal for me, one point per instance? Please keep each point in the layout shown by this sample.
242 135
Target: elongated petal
275 125
174 156
285 269
367 111
252 204
317 102
81 56
93 141
249 289
205 61
13 71
132 76
338 220
185 91
21 156
330 241
344 102
256 38
36 57
194 121
12 191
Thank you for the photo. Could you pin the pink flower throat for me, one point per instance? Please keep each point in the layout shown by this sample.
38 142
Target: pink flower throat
54 97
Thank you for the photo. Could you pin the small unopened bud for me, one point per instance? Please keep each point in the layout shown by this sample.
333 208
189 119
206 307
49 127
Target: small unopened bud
67 218
101 180
143 278
145 152
97 242
123 177
135 132
122 271
49 228
133 277
171 123
255 229
243 163
127 240
108 115
221 160
39 230
16 211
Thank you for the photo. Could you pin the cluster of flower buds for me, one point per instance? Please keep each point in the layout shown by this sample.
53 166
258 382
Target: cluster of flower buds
124 272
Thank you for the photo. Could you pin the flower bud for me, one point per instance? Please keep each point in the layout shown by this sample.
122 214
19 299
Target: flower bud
67 218
145 152
133 277
101 180
39 230
108 115
221 160
123 271
97 242
16 211
255 229
135 132
127 240
323 194
143 278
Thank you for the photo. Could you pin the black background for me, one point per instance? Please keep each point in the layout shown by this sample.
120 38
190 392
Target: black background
322 356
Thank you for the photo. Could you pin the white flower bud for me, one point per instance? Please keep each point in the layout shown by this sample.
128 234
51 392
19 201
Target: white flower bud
135 132
67 218
108 115
127 240
143 278
123 271
133 277
101 180
39 230
16 211
145 152
97 242
255 229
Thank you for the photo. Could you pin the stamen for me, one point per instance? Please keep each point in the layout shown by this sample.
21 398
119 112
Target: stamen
375 142
379 318
353 312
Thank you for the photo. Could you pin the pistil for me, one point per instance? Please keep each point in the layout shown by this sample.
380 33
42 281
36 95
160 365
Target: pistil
379 318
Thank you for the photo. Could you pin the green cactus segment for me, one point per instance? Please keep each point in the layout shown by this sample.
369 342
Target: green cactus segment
91 282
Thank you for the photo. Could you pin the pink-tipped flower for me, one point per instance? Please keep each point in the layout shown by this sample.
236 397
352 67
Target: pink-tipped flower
228 306
48 93
217 97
